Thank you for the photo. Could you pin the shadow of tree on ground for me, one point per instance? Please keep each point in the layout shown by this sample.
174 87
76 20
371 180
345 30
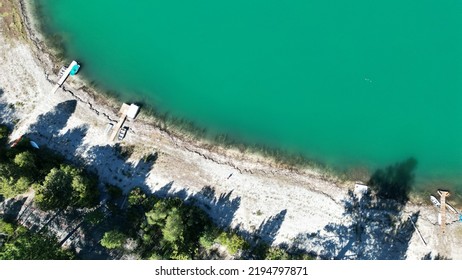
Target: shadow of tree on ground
11 208
222 209
374 227
7 112
47 131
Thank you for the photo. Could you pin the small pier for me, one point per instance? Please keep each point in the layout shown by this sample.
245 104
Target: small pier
64 73
126 111
443 194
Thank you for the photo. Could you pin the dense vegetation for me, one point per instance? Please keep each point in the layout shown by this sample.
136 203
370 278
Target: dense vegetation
21 244
57 184
164 228
138 224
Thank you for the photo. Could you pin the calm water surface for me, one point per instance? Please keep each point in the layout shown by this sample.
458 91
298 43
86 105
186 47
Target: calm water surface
350 83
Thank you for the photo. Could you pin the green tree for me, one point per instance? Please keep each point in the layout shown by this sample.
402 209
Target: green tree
33 246
85 193
155 257
232 242
274 253
66 186
136 197
4 132
11 183
6 229
26 161
174 227
113 239
158 214
208 236
56 190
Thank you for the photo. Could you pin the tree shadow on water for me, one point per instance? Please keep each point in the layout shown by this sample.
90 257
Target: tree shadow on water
395 181
374 227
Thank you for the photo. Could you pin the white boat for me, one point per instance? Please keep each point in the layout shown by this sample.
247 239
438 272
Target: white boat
435 201
452 209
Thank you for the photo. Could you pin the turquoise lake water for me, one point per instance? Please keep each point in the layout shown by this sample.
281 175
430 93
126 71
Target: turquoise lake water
349 83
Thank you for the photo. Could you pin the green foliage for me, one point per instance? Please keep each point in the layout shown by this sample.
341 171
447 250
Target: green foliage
56 190
6 228
113 239
11 184
174 228
155 257
66 186
233 242
158 214
263 251
275 253
136 197
94 217
4 133
207 239
26 161
179 256
33 246
22 185
85 192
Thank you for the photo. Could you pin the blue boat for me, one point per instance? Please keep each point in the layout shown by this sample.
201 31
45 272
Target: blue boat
74 70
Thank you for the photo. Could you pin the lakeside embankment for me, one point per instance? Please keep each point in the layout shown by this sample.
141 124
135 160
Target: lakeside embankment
302 208
279 87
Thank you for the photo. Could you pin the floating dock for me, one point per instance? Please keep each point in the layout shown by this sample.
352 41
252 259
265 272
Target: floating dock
70 70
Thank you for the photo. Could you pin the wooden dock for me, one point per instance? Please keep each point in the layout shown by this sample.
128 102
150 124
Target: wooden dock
443 194
64 74
123 116
126 112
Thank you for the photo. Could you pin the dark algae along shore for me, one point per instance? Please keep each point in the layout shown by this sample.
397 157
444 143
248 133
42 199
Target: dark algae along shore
356 83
